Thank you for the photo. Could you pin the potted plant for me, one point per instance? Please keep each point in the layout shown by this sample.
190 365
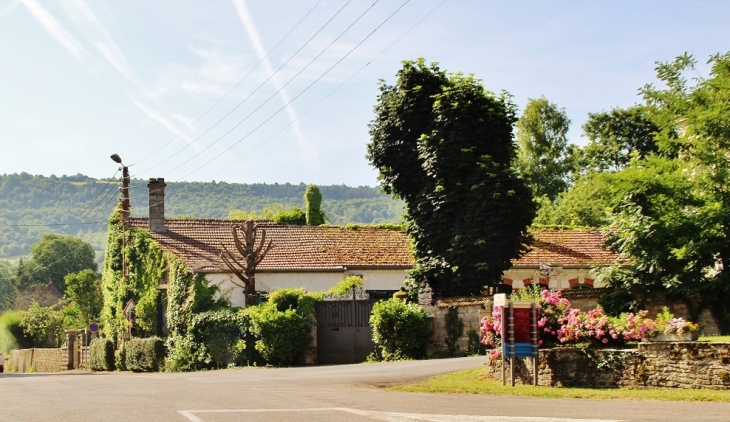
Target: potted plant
670 328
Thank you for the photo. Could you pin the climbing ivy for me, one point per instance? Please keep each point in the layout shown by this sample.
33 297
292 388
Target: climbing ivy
146 265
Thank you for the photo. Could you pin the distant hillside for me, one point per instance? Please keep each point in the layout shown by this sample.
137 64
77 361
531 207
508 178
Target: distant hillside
79 205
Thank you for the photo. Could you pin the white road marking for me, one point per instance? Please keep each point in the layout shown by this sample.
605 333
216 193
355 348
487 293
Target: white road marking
394 416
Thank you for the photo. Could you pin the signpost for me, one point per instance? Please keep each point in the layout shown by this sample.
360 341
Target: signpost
519 335
94 327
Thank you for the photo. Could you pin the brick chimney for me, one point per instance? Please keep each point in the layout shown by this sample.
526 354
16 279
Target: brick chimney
157 204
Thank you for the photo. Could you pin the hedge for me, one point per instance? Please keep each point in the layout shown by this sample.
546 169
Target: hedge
400 330
101 354
144 354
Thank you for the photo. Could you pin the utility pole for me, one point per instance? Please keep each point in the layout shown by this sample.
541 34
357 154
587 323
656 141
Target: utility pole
124 191
125 208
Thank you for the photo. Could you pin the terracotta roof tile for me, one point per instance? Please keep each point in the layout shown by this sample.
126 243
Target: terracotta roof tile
296 248
308 248
570 248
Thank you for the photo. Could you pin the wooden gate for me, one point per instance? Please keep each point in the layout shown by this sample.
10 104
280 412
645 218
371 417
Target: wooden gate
343 330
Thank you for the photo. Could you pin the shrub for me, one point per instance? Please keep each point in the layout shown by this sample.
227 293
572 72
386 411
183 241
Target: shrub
12 335
223 333
296 299
280 335
345 285
400 330
43 324
145 354
101 354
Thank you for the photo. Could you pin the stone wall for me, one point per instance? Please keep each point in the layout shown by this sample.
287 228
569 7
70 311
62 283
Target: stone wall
470 310
39 360
652 364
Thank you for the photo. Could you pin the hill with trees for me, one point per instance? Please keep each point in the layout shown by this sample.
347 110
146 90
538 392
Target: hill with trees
31 205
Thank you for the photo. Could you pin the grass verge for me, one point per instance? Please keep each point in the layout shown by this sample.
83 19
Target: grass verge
476 381
715 338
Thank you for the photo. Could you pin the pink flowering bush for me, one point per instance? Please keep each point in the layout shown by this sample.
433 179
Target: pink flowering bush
559 324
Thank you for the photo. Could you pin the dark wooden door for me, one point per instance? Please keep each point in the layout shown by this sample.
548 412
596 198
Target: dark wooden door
343 331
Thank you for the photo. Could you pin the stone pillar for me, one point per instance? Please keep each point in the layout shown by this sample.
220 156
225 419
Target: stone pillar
157 204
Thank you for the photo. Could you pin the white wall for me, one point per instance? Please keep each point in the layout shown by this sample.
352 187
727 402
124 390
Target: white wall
310 281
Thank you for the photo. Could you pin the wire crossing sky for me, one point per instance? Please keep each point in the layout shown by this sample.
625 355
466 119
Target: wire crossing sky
82 80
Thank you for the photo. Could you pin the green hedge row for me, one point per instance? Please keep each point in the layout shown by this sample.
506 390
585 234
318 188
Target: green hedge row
144 354
101 354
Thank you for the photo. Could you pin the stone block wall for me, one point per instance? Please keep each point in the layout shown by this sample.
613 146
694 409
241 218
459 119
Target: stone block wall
665 365
42 360
470 312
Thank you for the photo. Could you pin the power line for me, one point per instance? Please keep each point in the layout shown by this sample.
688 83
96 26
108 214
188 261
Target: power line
234 86
51 225
281 89
93 211
298 95
249 96
102 190
334 90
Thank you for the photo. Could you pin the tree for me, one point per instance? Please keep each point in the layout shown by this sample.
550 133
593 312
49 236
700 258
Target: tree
616 136
83 290
313 205
444 145
249 256
60 255
6 286
544 159
673 228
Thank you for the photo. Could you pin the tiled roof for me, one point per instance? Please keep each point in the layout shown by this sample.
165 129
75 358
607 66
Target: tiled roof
308 248
296 248
570 248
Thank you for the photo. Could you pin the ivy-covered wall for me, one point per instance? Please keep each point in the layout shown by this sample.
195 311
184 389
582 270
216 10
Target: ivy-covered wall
146 265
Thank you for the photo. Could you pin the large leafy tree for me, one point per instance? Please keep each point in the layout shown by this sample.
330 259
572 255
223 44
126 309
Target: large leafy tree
673 227
83 290
444 145
545 159
617 135
59 255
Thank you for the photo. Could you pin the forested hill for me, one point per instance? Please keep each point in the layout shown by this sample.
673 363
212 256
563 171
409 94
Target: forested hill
79 205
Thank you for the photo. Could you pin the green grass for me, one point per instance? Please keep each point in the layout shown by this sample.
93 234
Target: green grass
476 381
715 338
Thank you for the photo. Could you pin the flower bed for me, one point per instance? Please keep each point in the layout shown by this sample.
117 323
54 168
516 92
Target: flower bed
561 325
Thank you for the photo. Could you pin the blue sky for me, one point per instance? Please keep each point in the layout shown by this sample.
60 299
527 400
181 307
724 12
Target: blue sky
80 80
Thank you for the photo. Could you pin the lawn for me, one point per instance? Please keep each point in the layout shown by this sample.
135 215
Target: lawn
476 381
715 338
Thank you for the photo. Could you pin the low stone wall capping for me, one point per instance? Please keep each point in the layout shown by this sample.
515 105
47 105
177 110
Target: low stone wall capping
651 364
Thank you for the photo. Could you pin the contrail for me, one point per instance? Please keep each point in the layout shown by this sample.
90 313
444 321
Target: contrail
308 151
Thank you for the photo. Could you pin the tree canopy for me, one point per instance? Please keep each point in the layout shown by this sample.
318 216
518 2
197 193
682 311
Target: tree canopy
544 158
673 223
58 256
444 145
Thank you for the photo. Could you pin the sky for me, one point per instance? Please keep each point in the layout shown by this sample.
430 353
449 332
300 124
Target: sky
248 91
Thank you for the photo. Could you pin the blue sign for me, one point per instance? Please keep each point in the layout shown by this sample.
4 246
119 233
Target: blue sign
93 327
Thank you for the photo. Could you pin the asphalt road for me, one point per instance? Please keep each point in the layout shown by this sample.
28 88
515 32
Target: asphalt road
328 393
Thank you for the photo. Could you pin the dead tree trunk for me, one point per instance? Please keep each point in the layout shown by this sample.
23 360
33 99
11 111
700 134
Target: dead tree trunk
249 255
